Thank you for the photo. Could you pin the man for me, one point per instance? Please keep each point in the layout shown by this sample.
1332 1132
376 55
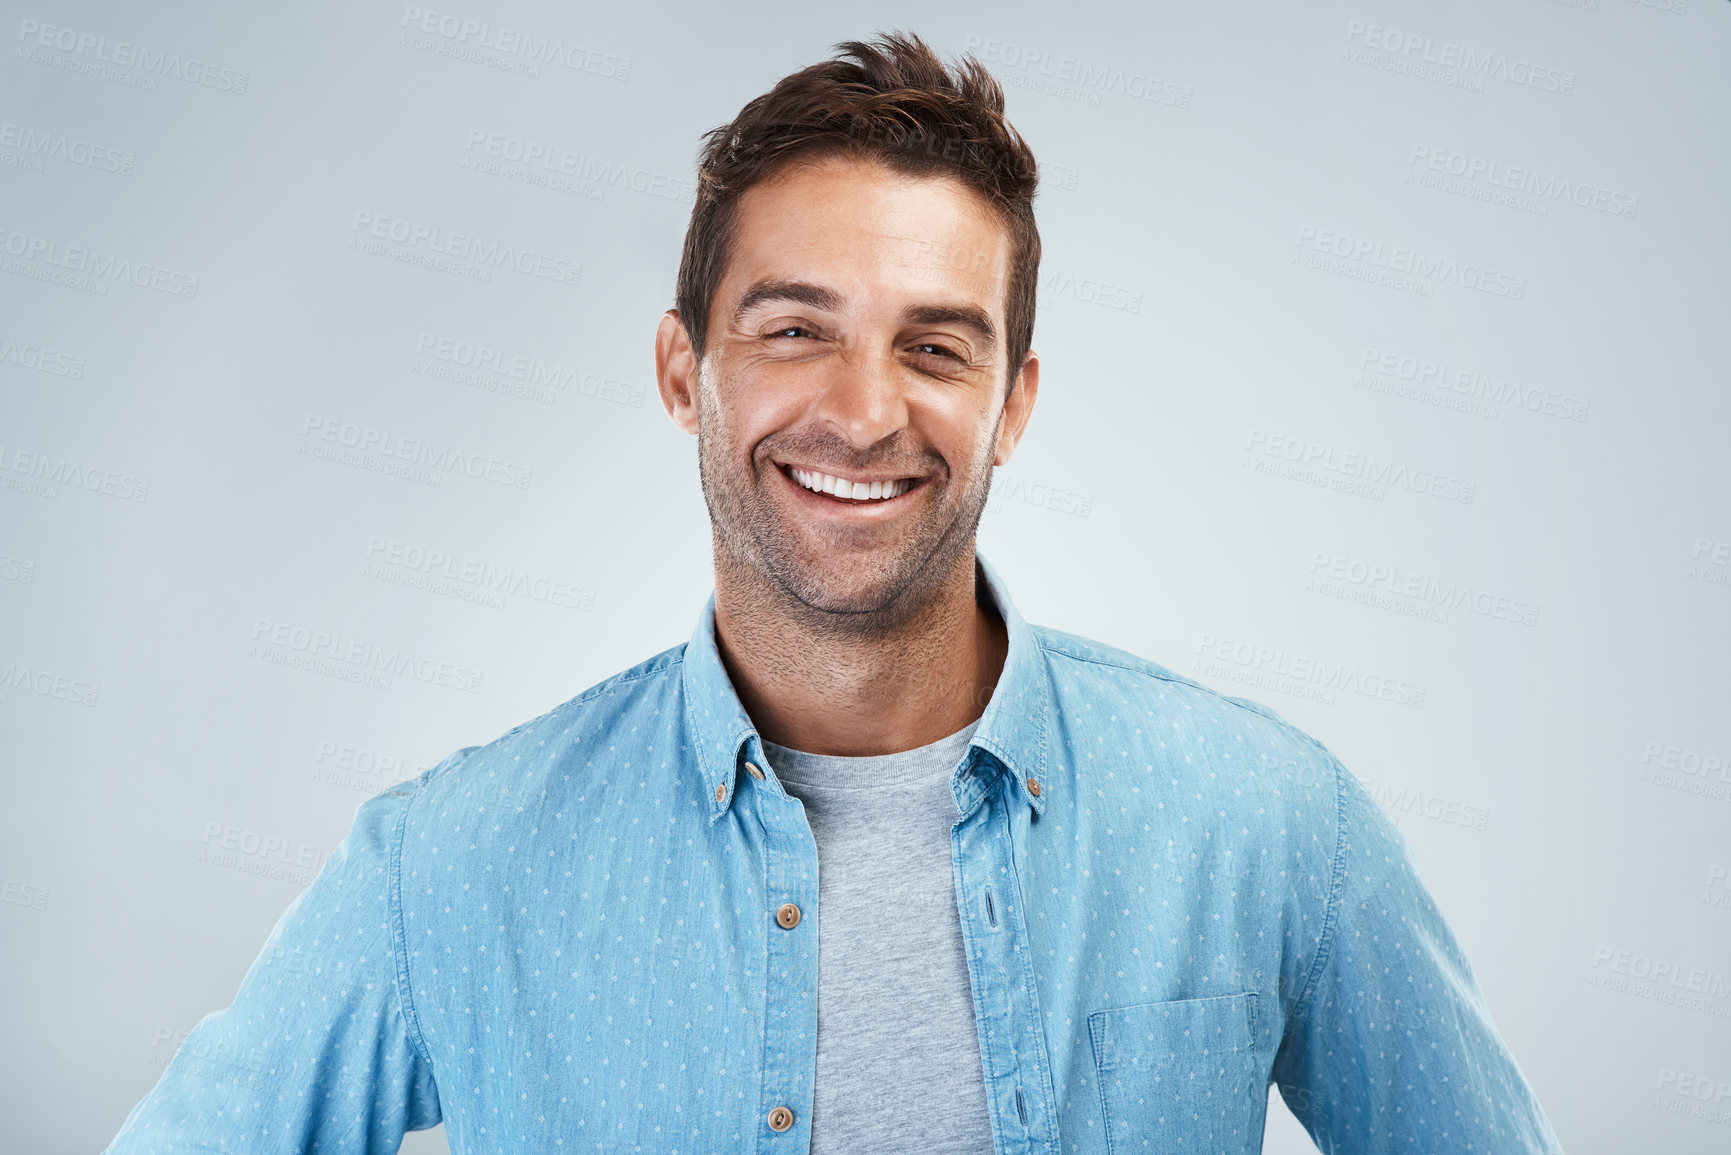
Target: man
870 863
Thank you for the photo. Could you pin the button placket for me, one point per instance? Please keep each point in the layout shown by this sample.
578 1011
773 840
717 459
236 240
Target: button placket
1005 1003
789 1063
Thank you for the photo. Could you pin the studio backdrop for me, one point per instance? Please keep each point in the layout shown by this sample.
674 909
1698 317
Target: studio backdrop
1384 382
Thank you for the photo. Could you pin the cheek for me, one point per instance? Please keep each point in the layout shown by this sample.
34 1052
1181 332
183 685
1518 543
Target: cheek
965 438
732 414
759 399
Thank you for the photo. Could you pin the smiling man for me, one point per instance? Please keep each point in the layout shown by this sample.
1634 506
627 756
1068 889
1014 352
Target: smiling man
870 864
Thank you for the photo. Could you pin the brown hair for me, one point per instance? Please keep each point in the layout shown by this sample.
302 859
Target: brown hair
893 102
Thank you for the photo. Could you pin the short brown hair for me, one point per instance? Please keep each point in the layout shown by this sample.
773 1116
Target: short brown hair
891 101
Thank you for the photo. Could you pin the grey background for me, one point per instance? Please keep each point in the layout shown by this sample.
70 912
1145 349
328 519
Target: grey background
170 782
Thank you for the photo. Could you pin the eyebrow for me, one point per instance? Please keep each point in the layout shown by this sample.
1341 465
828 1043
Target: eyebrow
796 292
965 315
817 297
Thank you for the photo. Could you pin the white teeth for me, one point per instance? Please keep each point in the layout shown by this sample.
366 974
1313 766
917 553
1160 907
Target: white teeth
851 490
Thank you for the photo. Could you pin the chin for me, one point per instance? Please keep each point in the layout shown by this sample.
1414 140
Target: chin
842 589
854 586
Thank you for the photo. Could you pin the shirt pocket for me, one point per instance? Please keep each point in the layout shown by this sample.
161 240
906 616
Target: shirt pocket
1180 1076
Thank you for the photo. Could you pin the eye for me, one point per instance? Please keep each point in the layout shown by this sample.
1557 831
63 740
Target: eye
790 330
931 349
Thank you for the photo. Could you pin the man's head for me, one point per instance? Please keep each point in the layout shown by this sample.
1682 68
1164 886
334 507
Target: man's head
856 300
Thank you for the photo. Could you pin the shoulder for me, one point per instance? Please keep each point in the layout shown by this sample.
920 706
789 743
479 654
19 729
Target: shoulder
1086 668
1183 732
640 702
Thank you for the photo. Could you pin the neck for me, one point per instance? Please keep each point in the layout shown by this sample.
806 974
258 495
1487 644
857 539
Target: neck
810 686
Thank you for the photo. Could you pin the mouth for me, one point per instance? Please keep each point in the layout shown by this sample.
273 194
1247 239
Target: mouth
842 490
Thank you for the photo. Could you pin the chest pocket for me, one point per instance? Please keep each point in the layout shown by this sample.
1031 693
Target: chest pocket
1180 1077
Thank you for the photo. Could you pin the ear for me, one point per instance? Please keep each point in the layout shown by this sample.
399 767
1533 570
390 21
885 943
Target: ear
676 371
1017 408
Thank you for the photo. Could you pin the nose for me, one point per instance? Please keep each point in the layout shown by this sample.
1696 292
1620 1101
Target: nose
863 399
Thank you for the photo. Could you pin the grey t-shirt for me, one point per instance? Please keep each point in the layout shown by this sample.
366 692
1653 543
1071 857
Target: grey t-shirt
898 1059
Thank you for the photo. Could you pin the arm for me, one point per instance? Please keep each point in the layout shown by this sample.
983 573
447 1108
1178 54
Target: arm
1390 1047
317 1052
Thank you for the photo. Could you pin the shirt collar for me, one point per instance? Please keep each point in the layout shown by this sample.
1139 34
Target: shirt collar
1011 735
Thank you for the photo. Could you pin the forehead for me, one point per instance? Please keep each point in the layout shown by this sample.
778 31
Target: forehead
868 230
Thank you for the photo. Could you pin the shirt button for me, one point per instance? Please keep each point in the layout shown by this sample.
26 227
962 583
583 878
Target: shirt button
1034 787
788 916
780 1118
751 768
720 793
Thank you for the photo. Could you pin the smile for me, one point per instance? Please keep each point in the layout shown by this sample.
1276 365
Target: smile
848 489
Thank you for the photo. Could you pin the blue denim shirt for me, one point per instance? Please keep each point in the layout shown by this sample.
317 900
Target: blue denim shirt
568 940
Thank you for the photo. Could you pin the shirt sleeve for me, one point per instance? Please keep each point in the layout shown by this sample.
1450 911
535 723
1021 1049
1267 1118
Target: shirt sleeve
1391 1047
318 1051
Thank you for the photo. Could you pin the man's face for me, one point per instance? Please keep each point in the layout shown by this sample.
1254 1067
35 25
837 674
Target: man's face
857 335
